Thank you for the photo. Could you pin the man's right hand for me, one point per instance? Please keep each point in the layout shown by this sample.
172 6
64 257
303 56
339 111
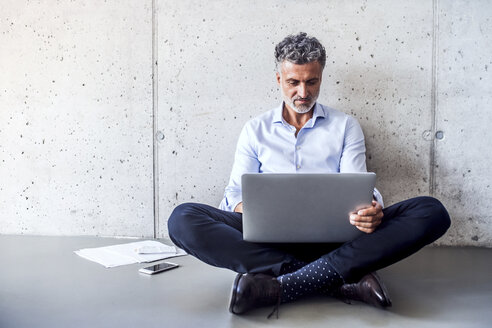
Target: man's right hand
239 208
368 219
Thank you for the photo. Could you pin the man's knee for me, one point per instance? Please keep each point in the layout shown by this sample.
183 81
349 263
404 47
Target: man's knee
178 224
436 216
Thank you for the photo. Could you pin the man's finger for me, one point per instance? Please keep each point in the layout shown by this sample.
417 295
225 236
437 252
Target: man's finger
367 224
368 211
359 218
366 230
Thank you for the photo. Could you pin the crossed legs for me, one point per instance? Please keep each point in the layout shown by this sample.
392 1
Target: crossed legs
215 237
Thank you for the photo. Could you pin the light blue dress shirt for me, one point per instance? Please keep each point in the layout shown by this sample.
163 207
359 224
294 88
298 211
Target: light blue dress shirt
331 141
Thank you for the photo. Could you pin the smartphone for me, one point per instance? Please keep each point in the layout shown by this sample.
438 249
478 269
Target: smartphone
158 268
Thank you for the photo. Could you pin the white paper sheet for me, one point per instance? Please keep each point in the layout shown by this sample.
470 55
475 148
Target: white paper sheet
116 255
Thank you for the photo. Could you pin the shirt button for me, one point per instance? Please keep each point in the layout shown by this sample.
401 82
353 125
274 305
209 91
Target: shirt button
298 147
298 166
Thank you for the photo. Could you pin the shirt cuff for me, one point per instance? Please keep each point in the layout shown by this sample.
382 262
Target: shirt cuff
229 202
379 198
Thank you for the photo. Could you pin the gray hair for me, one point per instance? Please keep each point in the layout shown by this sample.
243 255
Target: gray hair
300 49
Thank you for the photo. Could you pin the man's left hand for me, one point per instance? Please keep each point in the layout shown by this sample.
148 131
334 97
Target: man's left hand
368 219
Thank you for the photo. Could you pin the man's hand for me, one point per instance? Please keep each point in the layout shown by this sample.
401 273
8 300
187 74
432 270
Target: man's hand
368 219
239 208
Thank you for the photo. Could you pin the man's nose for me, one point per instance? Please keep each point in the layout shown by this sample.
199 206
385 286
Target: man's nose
302 90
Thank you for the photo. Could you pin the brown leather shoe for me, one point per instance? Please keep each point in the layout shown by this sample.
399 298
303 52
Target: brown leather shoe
253 290
370 289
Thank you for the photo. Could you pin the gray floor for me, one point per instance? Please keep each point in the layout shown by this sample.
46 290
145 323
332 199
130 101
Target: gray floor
44 284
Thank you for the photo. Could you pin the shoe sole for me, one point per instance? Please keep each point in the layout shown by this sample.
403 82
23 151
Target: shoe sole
383 288
234 293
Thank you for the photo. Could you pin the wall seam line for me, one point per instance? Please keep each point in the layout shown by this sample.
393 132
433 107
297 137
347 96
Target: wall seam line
434 98
155 101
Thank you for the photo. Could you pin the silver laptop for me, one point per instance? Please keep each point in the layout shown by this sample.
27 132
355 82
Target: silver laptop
303 207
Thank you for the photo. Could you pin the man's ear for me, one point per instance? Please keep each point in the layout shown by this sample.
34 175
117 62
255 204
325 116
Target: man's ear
278 78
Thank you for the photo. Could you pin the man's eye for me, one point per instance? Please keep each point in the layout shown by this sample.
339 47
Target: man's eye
292 82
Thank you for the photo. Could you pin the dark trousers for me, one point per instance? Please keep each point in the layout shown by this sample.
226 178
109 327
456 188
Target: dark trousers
215 237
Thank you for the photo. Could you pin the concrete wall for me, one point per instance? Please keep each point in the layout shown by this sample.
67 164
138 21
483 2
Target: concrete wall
463 176
76 117
405 70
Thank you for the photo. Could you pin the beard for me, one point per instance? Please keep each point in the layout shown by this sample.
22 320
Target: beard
300 108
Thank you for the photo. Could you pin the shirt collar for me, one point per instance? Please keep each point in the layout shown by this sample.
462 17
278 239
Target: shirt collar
277 114
319 111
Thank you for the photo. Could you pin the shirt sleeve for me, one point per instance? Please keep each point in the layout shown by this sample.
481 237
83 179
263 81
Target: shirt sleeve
245 161
353 157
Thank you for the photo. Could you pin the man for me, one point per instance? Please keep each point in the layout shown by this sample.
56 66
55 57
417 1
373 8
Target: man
304 136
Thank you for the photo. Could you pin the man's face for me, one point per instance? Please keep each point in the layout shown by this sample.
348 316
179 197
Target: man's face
300 85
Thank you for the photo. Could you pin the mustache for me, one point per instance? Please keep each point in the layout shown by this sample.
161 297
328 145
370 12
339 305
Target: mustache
300 98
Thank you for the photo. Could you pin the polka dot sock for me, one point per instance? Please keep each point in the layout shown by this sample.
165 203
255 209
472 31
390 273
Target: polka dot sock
292 266
314 278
